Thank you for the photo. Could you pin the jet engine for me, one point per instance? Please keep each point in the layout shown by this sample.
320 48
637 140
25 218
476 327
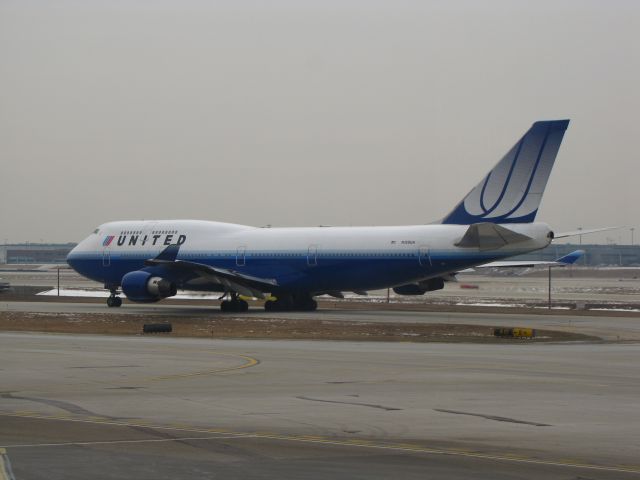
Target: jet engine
141 286
421 287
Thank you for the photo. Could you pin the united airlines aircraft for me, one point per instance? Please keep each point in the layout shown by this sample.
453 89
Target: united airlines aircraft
153 259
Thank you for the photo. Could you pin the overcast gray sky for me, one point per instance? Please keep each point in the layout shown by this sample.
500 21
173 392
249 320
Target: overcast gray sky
308 112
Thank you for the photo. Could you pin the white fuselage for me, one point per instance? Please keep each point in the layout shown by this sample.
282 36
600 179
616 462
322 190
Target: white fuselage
315 260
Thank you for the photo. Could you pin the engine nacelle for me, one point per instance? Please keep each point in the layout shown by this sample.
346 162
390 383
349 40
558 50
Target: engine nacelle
141 286
421 287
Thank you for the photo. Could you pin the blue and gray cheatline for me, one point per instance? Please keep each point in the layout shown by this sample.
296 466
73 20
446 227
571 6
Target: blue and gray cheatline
154 259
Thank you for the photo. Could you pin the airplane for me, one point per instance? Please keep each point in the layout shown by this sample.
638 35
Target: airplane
152 259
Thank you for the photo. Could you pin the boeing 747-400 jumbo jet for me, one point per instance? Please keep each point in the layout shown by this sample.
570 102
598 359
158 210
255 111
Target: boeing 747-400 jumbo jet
153 259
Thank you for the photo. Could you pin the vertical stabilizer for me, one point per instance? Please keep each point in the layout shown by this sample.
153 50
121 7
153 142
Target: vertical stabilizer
512 191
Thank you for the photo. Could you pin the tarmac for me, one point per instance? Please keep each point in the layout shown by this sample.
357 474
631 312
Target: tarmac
616 326
156 407
86 406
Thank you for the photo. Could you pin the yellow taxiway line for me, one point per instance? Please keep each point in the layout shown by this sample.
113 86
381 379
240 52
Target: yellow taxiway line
249 362
354 443
5 466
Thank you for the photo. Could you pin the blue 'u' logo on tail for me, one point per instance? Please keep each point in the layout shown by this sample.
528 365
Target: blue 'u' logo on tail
512 191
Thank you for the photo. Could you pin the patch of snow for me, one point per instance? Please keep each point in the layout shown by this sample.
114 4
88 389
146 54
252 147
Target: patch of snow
81 292
616 309
510 305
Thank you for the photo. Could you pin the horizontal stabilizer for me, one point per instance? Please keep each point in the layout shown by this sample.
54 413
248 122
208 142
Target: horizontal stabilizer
568 259
576 233
487 236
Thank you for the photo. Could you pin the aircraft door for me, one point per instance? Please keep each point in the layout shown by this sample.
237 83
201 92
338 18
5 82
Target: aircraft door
241 256
423 256
106 258
312 256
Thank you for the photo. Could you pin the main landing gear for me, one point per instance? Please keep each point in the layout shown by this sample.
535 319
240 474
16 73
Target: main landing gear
114 300
288 303
236 304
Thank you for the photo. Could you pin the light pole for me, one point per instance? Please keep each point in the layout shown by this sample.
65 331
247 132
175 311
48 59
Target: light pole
632 229
580 236
549 304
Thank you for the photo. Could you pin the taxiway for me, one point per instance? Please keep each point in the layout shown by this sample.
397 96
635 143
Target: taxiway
84 406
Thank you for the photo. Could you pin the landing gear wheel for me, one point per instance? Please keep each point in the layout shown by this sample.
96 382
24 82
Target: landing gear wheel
243 306
282 304
310 306
114 301
234 305
305 303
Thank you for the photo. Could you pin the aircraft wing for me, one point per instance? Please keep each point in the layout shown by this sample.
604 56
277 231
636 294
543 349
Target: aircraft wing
568 259
231 280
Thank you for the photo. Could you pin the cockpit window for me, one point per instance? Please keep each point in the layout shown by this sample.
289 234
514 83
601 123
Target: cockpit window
96 230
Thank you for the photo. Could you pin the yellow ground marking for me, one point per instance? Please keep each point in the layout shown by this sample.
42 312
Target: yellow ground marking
5 466
249 362
364 443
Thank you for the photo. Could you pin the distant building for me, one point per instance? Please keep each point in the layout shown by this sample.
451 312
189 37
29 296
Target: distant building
35 253
595 255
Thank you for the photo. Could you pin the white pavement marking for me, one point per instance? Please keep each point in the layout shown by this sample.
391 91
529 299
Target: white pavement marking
5 466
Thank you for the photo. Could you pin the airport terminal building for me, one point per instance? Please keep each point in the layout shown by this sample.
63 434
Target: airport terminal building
37 253
595 255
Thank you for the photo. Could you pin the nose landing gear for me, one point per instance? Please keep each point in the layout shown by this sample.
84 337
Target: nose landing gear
114 300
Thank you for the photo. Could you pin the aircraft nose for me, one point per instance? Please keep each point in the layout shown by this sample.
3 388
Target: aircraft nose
74 257
71 257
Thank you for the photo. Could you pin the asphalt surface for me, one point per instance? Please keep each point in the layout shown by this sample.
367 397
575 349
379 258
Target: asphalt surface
159 407
610 328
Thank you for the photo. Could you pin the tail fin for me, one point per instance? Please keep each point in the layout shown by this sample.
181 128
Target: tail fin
512 191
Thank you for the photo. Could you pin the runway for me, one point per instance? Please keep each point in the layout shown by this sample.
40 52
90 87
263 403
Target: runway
155 407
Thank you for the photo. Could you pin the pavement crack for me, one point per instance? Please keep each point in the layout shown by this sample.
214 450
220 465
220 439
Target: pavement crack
370 405
66 406
493 417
